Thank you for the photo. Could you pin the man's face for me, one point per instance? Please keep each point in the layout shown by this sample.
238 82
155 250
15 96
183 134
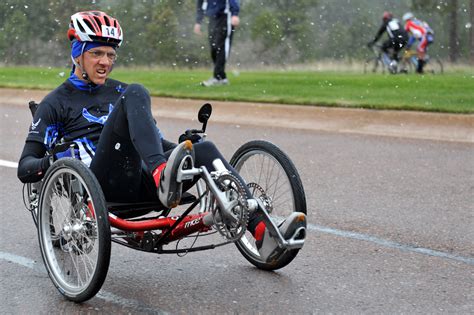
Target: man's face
98 63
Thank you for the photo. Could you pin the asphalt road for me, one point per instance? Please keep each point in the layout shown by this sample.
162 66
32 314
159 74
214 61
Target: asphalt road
391 230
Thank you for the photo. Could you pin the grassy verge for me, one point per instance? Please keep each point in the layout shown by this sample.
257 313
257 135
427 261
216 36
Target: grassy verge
451 92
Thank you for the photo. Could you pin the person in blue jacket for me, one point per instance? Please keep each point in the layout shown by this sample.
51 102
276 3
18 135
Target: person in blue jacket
223 18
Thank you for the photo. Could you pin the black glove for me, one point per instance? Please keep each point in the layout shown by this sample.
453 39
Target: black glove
193 137
64 150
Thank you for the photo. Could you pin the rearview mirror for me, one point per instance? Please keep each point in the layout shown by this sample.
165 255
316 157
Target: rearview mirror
205 113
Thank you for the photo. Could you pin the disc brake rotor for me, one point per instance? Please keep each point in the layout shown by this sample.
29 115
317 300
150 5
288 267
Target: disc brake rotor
260 193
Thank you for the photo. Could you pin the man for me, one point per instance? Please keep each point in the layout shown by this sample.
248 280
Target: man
111 134
223 18
113 130
397 39
420 31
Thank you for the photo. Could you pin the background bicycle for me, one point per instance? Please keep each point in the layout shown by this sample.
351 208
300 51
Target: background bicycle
380 61
409 62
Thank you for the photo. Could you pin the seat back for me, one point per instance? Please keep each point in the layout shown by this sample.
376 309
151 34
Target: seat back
33 107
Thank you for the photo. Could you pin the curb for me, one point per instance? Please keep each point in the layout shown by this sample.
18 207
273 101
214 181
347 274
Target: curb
404 124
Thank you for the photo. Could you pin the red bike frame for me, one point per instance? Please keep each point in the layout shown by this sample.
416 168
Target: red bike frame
186 225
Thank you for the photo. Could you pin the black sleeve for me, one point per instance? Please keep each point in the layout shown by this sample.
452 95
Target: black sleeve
380 32
199 12
33 162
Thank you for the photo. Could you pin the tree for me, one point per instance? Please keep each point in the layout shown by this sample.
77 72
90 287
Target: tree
281 27
471 31
453 31
162 34
35 31
14 38
273 32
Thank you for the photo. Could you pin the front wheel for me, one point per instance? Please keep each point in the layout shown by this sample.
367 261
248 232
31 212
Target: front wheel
73 230
374 65
271 177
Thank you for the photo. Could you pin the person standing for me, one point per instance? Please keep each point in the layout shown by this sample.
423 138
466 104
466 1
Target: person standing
223 18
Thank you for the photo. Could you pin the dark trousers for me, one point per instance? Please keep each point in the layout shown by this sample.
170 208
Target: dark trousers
130 147
392 46
129 143
220 38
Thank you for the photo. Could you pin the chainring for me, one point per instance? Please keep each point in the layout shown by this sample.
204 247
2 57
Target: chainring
234 191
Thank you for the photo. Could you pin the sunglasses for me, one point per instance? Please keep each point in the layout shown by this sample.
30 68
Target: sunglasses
99 54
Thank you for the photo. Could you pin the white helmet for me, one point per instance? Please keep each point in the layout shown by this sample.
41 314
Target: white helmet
95 26
408 16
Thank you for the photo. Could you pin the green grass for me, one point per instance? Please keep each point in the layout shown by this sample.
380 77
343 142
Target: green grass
451 92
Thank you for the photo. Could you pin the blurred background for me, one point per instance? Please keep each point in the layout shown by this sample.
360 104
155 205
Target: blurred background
273 33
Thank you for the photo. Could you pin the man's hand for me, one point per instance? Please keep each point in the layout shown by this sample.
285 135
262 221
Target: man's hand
64 150
235 21
370 44
197 29
67 153
193 137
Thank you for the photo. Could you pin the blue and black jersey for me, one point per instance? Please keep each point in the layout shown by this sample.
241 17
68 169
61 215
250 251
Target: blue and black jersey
70 114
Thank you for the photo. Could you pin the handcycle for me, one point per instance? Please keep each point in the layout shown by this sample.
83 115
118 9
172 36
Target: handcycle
76 225
380 61
409 63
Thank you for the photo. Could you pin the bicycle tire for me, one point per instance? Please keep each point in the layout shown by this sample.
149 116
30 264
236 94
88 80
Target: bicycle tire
434 66
374 65
74 230
406 66
256 162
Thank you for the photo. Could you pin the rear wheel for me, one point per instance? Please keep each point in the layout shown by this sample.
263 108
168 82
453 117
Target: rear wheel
73 230
272 178
405 66
433 66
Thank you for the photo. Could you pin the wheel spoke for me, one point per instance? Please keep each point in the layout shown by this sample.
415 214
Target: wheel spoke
273 179
73 244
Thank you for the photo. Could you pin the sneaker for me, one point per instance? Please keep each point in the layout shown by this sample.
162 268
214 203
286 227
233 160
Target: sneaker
214 81
268 246
169 189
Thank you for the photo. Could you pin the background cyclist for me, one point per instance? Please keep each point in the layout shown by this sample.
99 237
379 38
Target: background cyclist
419 31
397 39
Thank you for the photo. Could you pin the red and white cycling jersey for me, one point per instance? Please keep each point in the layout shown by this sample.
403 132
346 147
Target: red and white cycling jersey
416 28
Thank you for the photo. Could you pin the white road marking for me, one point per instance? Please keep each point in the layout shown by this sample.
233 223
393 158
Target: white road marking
360 236
103 295
391 244
22 261
8 164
